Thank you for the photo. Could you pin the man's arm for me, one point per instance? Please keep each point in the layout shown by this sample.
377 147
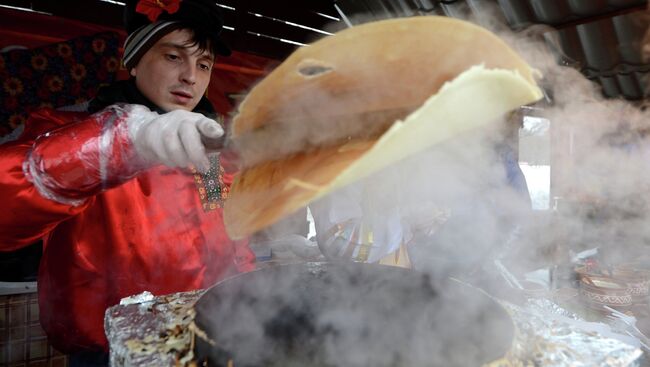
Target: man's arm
48 179
77 161
54 176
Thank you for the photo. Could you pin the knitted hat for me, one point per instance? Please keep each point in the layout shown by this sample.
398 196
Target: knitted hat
147 21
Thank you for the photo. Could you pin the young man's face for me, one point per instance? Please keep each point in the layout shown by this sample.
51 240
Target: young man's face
172 74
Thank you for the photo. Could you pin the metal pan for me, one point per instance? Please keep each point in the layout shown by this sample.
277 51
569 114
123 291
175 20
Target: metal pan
347 314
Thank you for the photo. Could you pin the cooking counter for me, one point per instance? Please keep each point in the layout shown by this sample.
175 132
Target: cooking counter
154 331
144 330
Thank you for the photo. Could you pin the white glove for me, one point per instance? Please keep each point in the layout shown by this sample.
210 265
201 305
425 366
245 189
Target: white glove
173 138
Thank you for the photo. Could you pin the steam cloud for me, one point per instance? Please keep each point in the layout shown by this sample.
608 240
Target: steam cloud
601 173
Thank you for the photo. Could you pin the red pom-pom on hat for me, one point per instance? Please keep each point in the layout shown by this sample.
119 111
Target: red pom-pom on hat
153 8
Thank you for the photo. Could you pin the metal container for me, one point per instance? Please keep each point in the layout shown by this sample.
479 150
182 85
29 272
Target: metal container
347 314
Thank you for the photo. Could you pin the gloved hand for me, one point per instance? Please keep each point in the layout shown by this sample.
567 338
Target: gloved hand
173 138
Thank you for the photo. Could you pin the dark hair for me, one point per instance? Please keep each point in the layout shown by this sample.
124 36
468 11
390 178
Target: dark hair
205 41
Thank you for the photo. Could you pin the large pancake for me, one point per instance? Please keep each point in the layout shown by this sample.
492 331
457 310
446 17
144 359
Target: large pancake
460 76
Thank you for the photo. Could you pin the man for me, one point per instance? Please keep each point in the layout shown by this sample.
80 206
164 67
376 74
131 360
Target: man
126 198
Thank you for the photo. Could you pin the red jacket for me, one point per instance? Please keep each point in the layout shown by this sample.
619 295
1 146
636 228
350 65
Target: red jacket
111 226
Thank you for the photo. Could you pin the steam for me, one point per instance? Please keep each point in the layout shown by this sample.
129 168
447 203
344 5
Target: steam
604 178
599 165
601 174
318 319
600 154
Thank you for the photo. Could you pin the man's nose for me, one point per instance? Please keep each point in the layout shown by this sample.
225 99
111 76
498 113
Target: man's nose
188 75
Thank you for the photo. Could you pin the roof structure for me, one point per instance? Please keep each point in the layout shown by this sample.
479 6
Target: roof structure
601 38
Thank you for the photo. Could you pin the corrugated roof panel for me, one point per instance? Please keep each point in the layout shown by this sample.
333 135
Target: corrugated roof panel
629 30
629 86
601 38
605 49
586 7
524 12
516 12
567 43
625 3
599 45
608 51
610 86
551 12
458 9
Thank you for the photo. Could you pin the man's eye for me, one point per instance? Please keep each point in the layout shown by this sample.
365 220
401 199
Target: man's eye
205 67
171 57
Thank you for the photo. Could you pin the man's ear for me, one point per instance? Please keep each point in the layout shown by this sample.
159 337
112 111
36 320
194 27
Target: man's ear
132 72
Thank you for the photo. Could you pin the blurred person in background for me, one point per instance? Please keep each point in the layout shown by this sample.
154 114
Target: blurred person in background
444 210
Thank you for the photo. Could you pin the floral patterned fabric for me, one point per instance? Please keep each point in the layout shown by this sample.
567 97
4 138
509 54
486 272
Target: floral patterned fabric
55 75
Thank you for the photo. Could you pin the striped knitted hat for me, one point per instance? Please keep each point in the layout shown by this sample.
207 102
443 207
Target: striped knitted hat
147 21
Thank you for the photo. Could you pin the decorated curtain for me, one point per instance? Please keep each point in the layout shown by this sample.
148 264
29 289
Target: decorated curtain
55 75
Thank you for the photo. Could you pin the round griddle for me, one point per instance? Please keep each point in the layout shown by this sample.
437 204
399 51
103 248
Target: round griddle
347 314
